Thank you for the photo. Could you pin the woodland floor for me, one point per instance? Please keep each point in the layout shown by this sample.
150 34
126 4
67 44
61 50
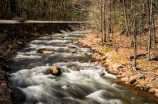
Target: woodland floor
115 56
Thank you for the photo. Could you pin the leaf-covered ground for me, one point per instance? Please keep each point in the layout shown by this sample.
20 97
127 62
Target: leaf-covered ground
116 55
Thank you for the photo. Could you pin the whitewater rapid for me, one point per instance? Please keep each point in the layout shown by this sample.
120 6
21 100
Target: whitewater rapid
33 84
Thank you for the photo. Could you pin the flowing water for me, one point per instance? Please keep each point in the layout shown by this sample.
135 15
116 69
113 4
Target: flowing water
32 83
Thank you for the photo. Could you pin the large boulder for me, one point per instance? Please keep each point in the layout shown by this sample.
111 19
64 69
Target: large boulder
45 51
54 70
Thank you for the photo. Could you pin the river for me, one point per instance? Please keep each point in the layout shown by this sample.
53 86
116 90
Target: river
31 81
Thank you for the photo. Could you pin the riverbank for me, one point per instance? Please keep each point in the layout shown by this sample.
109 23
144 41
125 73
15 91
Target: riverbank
6 94
117 60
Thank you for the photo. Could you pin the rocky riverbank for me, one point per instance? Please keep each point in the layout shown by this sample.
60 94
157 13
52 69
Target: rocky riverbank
6 94
116 60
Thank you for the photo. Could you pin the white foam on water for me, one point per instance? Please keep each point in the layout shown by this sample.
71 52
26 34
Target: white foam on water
36 41
70 38
98 96
22 56
35 92
52 47
58 41
26 53
81 54
86 68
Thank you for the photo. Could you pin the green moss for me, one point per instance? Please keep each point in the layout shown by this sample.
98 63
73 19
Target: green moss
105 51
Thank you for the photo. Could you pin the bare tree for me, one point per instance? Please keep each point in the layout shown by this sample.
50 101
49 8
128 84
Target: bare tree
150 21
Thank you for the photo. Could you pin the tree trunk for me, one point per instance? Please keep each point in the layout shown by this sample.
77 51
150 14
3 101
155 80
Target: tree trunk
9 17
104 23
109 20
20 7
153 22
37 10
149 37
5 7
64 4
101 13
135 37
47 9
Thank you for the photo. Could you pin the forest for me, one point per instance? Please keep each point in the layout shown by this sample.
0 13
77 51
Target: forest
133 18
55 10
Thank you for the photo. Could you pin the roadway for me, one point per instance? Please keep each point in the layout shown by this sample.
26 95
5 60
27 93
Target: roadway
33 21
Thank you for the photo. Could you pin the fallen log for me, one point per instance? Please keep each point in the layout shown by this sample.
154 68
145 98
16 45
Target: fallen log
137 56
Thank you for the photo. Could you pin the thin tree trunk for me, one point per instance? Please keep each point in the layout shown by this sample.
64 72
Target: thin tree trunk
101 13
149 38
20 7
64 4
135 38
1 8
37 10
9 9
5 7
104 23
153 22
47 10
140 32
109 19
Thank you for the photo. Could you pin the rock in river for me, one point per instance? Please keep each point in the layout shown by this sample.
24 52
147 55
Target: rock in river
71 47
45 51
54 70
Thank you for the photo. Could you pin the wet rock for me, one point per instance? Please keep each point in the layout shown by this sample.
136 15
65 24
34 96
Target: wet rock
60 37
74 52
71 60
62 31
141 76
45 51
156 80
48 52
71 47
101 73
132 80
156 93
76 69
75 42
124 79
54 70
65 60
19 42
152 90
63 45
